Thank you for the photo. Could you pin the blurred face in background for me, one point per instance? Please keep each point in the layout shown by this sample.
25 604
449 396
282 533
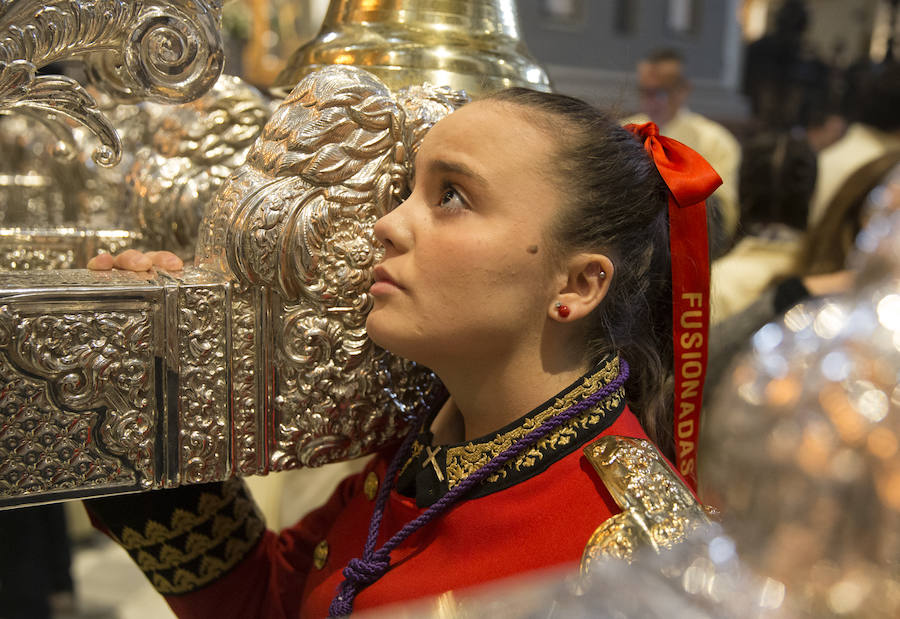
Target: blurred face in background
662 89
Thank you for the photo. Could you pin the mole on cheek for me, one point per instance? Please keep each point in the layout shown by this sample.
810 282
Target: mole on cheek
532 249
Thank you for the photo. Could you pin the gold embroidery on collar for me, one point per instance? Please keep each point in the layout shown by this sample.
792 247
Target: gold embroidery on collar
413 456
464 460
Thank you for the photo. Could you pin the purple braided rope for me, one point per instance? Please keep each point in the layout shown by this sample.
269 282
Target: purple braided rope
362 572
385 490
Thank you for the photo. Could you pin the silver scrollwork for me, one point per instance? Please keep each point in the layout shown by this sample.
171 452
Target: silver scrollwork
44 448
297 219
169 51
203 390
192 151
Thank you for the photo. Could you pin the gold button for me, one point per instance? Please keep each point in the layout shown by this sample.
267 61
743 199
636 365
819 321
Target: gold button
320 554
371 485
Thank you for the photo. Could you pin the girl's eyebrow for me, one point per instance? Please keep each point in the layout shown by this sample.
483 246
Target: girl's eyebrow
442 165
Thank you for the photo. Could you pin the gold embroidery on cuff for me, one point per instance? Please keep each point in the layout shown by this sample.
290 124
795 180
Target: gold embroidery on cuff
195 549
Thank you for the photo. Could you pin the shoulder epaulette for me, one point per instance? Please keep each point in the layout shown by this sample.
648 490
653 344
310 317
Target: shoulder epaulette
658 509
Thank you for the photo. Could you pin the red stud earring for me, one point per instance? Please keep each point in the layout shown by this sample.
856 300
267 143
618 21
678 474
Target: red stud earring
563 310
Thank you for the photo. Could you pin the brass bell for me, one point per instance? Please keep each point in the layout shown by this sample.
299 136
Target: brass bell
471 45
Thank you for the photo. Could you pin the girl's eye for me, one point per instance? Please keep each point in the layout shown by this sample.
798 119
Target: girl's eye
451 199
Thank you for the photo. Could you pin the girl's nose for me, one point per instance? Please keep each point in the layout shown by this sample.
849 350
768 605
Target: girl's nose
392 230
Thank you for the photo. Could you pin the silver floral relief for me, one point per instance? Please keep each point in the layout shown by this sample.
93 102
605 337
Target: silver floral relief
248 450
191 152
155 49
297 218
330 147
90 361
424 105
203 435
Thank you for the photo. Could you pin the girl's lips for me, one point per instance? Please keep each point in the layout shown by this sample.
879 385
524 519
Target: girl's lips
383 277
382 287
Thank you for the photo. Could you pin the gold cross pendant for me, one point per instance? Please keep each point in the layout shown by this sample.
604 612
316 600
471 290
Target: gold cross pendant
430 460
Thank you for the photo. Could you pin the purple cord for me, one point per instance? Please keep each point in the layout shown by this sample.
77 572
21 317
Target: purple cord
362 572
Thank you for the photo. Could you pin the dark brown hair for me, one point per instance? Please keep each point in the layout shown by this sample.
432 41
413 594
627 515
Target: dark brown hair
617 205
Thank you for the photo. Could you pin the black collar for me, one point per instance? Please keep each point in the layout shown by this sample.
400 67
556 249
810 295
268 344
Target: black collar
432 470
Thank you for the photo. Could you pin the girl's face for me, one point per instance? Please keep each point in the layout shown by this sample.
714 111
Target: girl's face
467 273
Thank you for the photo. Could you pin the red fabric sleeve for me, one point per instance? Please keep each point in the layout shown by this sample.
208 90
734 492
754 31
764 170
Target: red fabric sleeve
268 583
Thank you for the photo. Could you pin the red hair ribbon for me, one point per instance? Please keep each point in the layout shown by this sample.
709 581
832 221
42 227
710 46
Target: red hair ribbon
691 180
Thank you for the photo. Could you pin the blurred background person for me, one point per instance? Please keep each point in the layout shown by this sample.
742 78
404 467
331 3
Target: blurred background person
777 176
853 164
765 273
785 81
663 91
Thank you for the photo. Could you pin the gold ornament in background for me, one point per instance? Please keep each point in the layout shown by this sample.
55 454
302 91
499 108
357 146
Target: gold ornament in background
265 32
469 45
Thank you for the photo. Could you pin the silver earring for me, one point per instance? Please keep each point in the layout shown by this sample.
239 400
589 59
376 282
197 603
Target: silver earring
602 274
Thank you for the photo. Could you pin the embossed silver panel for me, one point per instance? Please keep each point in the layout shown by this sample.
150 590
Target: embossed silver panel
79 410
112 382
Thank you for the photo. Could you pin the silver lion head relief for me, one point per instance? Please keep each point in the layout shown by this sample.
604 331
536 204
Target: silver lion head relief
296 220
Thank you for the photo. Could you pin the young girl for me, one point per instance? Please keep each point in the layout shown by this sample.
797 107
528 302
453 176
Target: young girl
530 268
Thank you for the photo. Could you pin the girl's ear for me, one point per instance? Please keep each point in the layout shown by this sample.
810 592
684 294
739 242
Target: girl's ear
588 278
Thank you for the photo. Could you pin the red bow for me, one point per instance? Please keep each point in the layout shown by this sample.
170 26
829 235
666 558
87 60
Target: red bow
688 175
690 180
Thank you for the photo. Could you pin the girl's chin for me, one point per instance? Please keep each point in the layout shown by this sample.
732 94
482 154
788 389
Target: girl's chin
393 342
381 332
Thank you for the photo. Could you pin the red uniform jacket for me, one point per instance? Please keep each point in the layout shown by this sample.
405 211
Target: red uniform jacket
539 513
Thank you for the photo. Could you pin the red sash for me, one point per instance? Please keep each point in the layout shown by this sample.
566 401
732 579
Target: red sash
690 180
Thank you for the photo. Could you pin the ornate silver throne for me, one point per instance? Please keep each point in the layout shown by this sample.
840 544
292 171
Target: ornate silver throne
256 358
